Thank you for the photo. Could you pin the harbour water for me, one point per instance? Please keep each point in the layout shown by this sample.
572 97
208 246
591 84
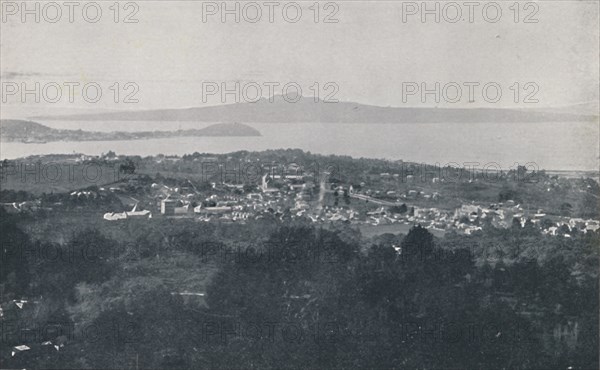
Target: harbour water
568 146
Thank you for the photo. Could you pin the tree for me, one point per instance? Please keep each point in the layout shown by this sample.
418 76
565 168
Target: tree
563 229
418 241
516 223
566 209
590 203
508 194
401 209
128 167
546 223
14 274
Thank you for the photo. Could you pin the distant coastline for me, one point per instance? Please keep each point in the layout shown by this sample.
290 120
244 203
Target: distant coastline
306 110
30 132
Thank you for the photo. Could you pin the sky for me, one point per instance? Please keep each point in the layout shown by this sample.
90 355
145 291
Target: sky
370 55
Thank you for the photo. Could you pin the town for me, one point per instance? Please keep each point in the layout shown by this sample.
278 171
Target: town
214 190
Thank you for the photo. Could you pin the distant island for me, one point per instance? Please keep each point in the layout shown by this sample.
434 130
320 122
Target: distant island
306 110
33 132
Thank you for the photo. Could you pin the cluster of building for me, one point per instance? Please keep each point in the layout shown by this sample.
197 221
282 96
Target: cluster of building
470 218
26 206
230 201
293 196
134 213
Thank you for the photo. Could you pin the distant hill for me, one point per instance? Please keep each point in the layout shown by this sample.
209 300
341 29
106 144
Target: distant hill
24 131
21 128
33 132
306 110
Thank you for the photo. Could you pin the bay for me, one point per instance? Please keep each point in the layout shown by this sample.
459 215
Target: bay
567 146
